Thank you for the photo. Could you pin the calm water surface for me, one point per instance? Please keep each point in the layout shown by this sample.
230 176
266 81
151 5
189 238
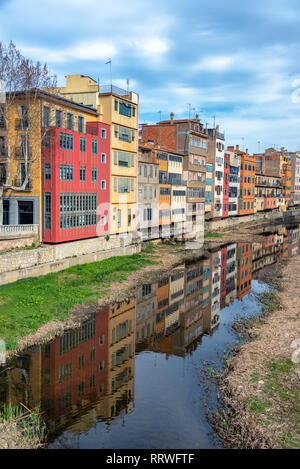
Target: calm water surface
134 375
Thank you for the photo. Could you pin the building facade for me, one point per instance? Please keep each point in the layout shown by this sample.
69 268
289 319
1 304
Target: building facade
76 183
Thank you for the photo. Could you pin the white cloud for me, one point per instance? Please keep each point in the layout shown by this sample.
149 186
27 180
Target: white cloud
96 50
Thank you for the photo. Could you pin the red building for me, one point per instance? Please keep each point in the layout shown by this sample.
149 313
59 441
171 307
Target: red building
226 185
76 183
75 367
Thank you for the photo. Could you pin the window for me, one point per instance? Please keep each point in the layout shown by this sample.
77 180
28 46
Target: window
78 210
124 185
101 339
2 173
66 172
103 133
103 184
101 365
58 118
47 172
124 158
22 175
46 116
92 381
103 157
65 141
70 121
125 109
92 354
80 124
24 145
82 173
82 144
94 175
47 211
94 147
81 389
147 214
81 362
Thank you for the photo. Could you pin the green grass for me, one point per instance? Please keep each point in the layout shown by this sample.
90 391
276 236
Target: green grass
281 396
212 234
29 303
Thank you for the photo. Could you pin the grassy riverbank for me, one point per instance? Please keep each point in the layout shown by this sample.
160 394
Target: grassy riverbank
21 429
261 392
28 304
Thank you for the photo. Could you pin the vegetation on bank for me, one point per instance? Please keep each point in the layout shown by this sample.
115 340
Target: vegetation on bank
212 234
261 395
27 304
21 430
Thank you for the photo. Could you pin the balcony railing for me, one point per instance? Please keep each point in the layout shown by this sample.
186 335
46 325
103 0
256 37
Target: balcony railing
15 229
113 89
22 124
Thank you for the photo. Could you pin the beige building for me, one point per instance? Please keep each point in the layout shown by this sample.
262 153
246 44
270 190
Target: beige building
118 108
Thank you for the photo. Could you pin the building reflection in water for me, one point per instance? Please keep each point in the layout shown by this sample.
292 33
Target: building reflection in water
87 374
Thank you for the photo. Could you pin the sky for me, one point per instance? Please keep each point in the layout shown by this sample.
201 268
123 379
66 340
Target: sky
238 61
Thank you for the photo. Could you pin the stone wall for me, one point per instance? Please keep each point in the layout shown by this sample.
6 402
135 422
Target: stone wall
227 223
49 254
50 267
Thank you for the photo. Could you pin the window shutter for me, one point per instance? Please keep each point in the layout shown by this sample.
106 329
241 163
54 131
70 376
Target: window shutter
115 184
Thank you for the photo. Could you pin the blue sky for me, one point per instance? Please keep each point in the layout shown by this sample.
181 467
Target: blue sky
236 60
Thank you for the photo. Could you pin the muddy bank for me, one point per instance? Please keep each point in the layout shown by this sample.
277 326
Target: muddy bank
261 391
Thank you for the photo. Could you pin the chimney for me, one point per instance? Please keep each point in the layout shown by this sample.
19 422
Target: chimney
237 148
217 128
172 117
197 116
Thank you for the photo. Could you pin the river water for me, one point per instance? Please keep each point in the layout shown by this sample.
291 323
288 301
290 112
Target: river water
136 374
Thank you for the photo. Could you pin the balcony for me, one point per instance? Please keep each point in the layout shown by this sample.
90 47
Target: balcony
12 232
22 124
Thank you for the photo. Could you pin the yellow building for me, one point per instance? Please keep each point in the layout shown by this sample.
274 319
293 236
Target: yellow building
118 108
21 139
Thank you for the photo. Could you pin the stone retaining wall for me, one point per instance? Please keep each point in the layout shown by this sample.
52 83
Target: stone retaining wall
24 259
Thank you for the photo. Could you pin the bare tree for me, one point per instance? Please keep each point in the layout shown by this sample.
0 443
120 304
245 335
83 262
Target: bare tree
20 138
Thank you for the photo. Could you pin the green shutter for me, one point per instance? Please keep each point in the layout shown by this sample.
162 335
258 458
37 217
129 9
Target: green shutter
115 185
115 157
132 184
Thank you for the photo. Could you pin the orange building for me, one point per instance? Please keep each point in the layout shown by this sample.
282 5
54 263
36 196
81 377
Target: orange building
287 183
244 269
247 183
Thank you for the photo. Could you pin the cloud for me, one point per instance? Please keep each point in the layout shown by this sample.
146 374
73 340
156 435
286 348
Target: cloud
237 61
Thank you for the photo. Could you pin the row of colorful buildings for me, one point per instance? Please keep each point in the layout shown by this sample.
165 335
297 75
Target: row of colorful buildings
75 163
